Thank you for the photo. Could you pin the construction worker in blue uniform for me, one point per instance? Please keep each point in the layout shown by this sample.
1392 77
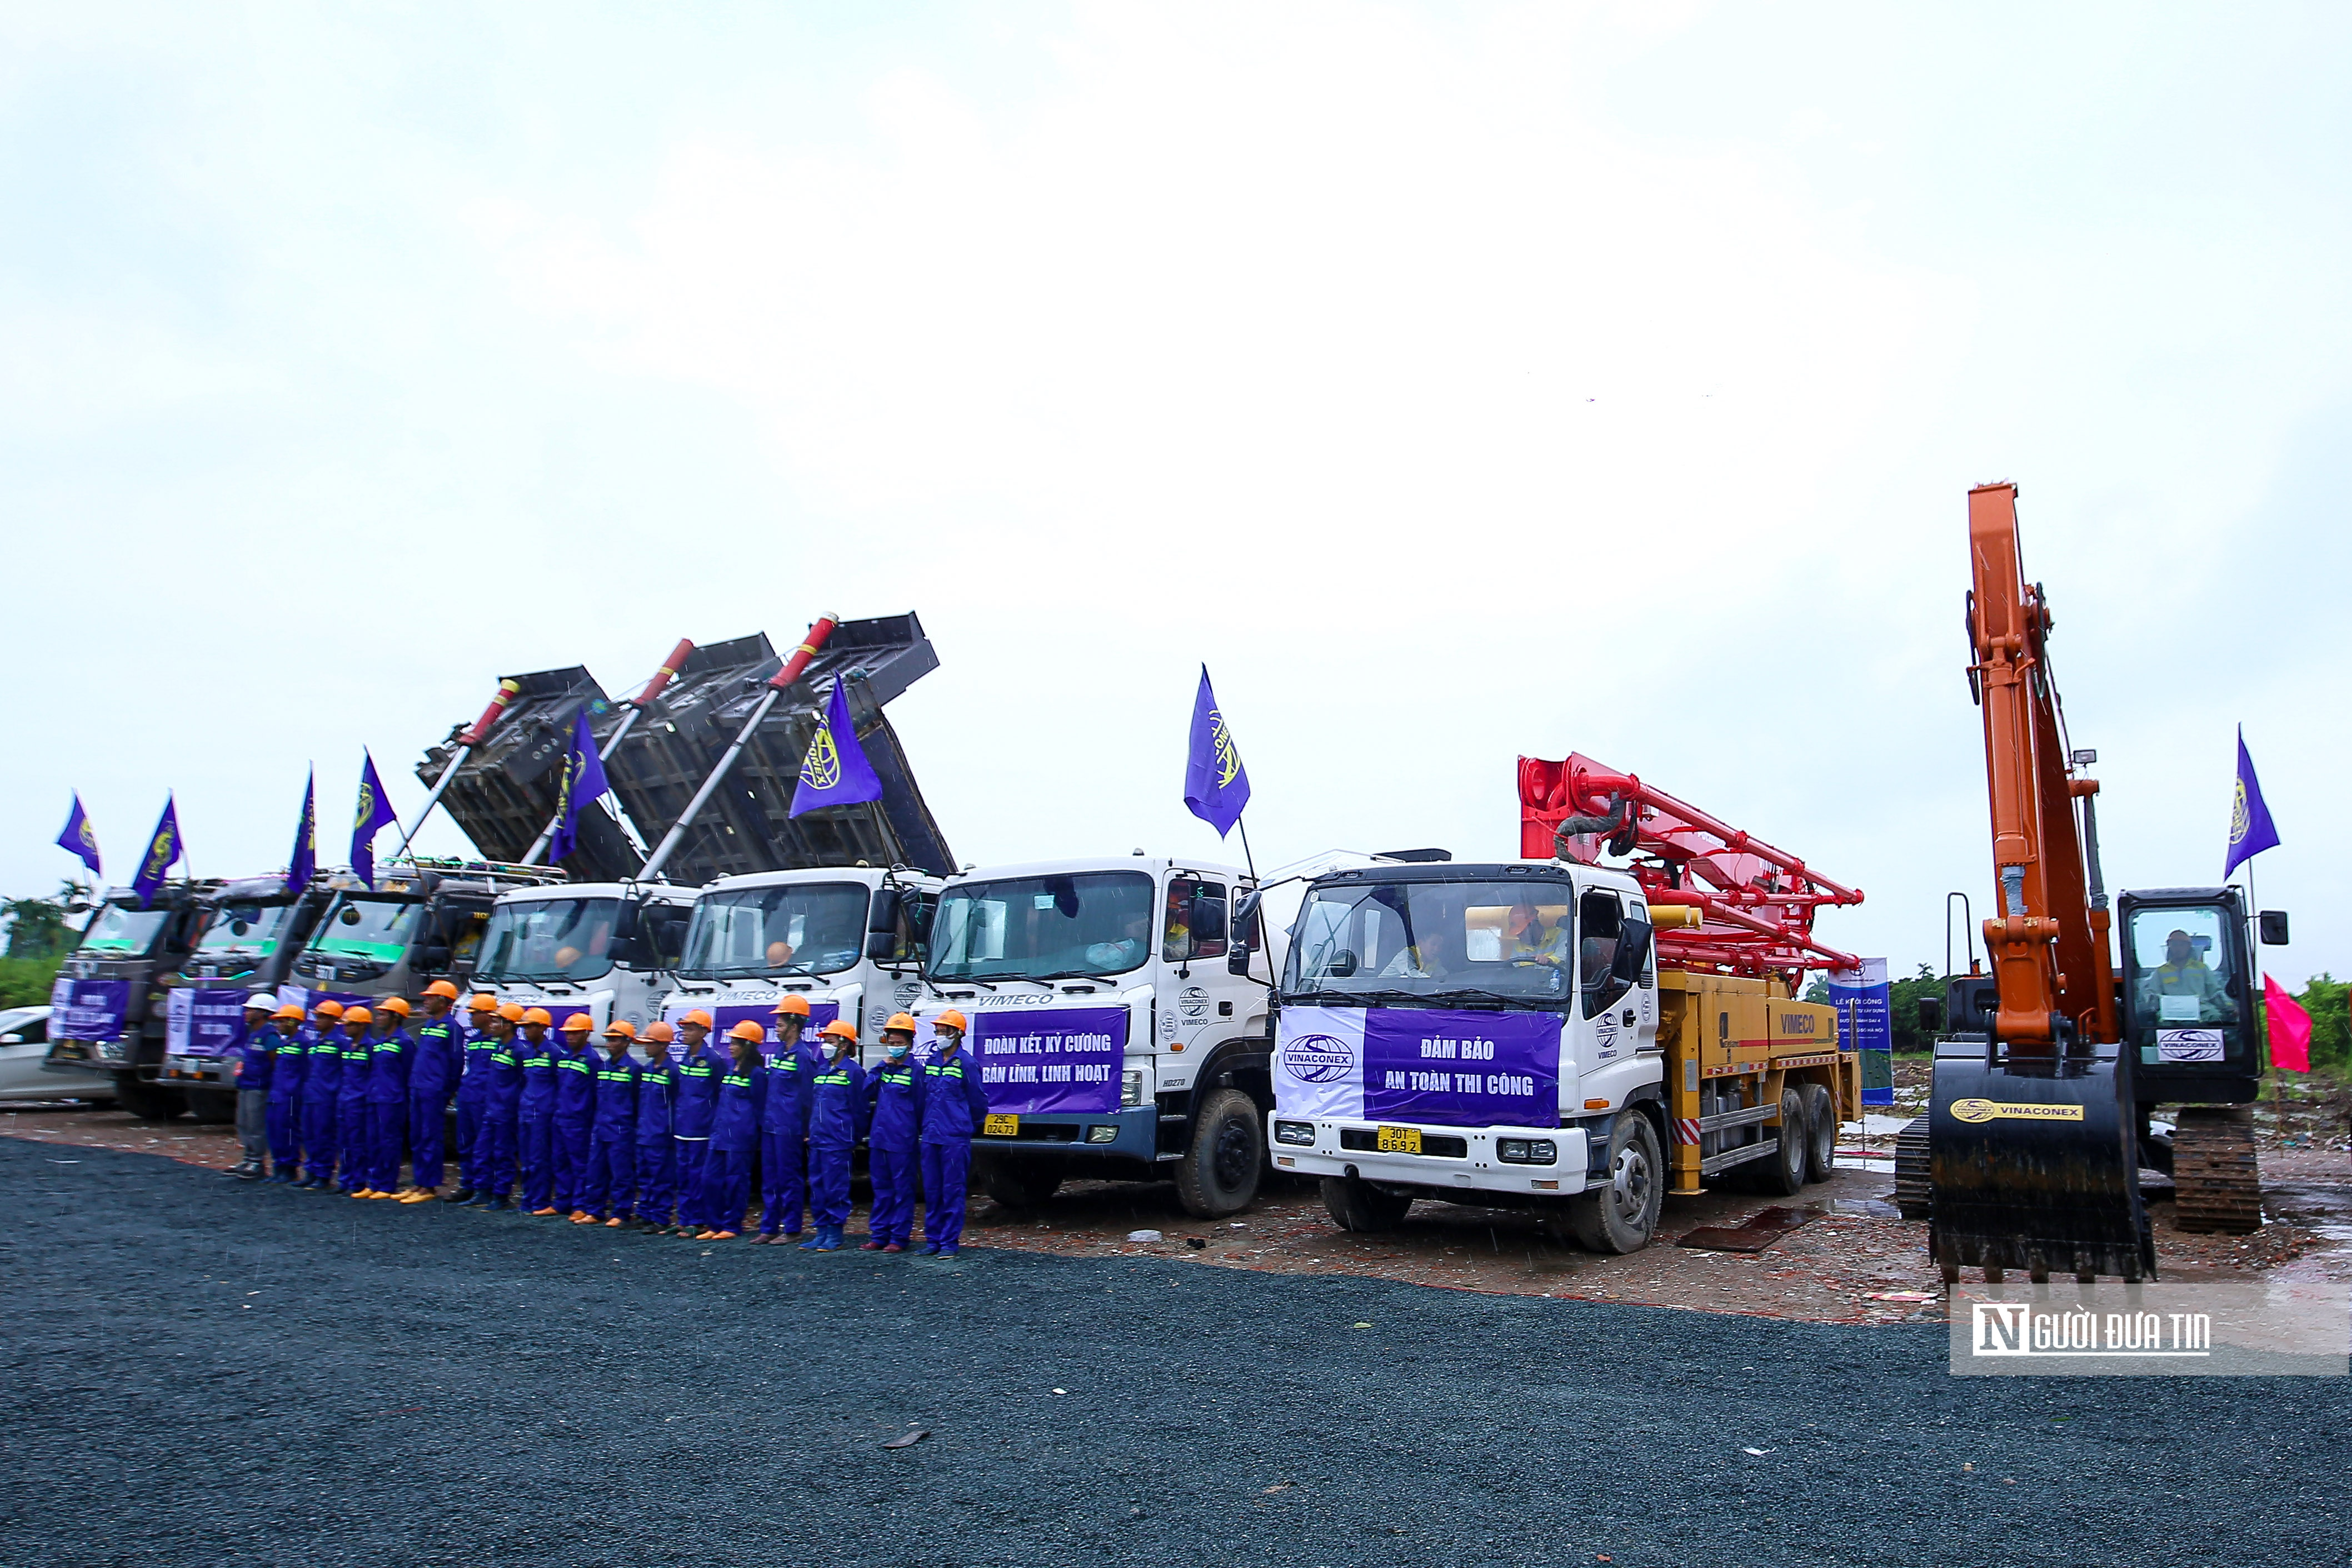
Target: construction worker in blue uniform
894 1096
249 1063
726 1184
472 1099
535 1113
954 1108
390 1049
611 1174
501 1130
783 1126
432 1079
700 1069
575 1112
351 1101
323 1074
656 1206
288 1053
837 1121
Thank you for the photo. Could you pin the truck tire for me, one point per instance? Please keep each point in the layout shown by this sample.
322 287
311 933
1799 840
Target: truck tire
1782 1172
212 1105
1821 1133
1622 1213
1219 1173
1354 1204
1018 1184
147 1101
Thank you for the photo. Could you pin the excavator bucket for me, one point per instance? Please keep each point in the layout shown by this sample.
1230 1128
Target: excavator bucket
2034 1165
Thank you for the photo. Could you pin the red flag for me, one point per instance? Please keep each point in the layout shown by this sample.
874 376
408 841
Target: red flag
2290 1028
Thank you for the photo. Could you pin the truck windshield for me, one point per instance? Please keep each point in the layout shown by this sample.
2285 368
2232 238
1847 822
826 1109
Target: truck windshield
1040 928
1377 942
121 931
245 928
805 928
359 926
549 939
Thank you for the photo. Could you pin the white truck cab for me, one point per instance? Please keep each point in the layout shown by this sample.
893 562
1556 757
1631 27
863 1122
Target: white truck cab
606 949
1114 1039
848 939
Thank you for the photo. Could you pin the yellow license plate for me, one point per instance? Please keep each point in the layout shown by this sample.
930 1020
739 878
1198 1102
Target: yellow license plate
1001 1127
1399 1141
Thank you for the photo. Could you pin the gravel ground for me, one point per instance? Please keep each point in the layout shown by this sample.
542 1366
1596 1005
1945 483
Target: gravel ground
208 1373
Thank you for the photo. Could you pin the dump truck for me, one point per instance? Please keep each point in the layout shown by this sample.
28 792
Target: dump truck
1561 1034
609 950
423 920
109 1000
253 928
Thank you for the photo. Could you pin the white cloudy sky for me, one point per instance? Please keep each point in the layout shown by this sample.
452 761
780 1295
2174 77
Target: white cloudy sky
1458 382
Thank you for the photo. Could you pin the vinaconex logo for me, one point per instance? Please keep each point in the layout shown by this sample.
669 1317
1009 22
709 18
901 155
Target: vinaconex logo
1317 1058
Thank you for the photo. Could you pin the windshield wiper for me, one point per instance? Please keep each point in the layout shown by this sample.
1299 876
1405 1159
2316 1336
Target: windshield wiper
963 980
1069 974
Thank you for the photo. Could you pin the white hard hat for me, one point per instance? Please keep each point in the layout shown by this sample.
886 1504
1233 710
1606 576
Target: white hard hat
265 1000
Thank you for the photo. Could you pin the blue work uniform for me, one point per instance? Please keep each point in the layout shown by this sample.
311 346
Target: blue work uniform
473 1106
322 1076
725 1189
249 1067
657 1153
954 1106
432 1078
286 1102
352 1113
612 1140
837 1120
535 1121
783 1138
575 1119
697 1101
894 1098
500 1138
389 1057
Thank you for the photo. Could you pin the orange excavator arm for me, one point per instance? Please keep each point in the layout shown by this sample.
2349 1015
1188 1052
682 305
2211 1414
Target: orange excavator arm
2048 937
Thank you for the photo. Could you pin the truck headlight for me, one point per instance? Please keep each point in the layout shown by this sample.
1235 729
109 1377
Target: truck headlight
1298 1133
1527 1150
1131 1089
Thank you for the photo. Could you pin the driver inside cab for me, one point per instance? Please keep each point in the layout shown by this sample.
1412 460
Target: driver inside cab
2184 973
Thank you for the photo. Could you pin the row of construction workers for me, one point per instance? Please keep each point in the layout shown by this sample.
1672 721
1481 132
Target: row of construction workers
665 1131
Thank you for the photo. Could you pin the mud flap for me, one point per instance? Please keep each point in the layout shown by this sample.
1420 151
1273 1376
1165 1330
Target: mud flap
2032 1165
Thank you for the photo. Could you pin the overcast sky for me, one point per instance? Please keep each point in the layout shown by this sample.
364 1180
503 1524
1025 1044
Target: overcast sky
1458 383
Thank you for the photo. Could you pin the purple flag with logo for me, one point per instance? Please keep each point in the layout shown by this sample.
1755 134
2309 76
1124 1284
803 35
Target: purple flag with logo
78 839
2250 832
163 851
1217 785
582 781
304 864
836 772
372 814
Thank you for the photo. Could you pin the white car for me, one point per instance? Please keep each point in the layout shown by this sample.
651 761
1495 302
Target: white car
24 1045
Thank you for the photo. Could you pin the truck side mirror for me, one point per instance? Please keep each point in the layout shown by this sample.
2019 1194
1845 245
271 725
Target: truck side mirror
1237 957
883 914
2273 925
1931 1015
622 950
1632 951
882 945
433 958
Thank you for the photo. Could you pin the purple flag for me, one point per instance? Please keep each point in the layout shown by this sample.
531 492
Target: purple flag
304 864
372 813
582 781
1217 785
836 772
78 839
2250 832
163 851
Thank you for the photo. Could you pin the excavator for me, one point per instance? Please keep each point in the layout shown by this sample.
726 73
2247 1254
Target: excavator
2041 1115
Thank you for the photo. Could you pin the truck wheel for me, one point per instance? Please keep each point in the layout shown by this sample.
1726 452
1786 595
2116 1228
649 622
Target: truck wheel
1622 1214
212 1105
1820 1133
1018 1184
1219 1173
1354 1204
1782 1172
147 1101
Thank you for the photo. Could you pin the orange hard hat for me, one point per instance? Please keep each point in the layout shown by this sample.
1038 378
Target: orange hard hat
621 1027
538 1015
748 1030
950 1019
329 1008
512 1013
442 988
579 1021
395 1005
482 1002
901 1021
840 1030
287 1011
358 1016
697 1016
660 1033
795 1006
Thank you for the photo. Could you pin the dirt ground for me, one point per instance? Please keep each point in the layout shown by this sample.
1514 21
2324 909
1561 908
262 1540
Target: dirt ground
1853 1254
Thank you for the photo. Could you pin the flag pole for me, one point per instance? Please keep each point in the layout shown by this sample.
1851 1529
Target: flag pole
638 706
1241 821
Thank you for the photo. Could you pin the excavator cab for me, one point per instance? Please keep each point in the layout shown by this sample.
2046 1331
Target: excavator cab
2189 997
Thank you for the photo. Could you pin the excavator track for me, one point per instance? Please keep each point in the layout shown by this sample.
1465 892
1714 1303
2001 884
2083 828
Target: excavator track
2215 1178
1913 1190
